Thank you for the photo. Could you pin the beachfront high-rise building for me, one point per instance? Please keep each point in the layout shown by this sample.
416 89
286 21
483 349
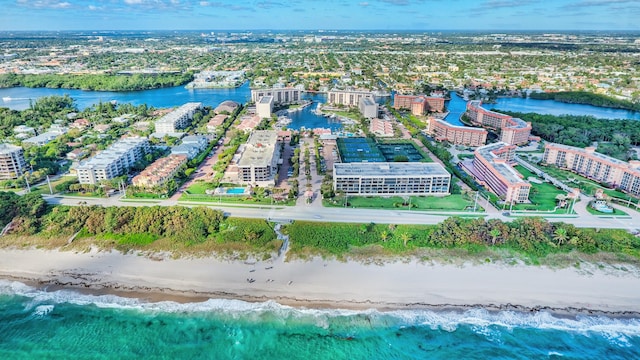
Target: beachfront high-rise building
492 166
512 130
397 178
178 119
458 135
281 96
260 157
349 98
264 107
368 107
588 163
12 162
419 104
114 161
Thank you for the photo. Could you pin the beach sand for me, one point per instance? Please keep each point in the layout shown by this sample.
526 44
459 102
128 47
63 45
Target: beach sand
329 283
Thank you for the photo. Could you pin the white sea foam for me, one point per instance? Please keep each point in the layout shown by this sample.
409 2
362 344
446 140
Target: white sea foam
42 310
481 321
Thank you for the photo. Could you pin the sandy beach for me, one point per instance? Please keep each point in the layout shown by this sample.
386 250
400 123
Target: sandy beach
320 283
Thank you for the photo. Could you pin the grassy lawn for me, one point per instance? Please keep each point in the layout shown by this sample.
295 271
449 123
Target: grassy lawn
588 186
449 203
542 196
199 188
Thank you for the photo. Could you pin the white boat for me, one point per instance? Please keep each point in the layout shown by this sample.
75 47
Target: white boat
6 99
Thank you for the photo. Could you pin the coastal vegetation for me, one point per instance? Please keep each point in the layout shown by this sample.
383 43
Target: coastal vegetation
530 238
614 137
102 82
583 97
177 229
203 231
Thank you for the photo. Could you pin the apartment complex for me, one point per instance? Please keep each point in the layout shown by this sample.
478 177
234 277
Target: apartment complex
368 107
114 161
588 163
397 178
418 104
191 146
281 96
512 130
160 171
349 98
178 119
264 107
381 127
458 135
260 158
492 166
12 162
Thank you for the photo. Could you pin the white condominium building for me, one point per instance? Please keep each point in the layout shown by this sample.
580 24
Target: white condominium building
281 96
397 178
264 107
114 161
12 162
347 97
177 119
260 157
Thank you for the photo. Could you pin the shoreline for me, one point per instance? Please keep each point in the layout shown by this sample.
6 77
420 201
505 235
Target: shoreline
330 284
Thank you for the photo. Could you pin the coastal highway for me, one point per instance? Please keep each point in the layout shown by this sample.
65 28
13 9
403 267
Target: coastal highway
315 213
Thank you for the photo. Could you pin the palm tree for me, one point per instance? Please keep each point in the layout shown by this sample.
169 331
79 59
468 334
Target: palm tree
494 235
405 238
560 235
384 235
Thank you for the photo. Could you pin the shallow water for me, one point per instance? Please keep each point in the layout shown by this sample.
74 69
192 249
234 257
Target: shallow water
67 324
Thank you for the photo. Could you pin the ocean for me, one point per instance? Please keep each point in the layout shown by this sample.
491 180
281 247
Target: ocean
65 324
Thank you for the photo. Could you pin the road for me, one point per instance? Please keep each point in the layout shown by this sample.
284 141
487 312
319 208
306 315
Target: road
318 213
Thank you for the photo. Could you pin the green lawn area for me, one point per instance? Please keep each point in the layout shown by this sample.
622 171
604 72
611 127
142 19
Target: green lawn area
199 188
542 196
587 186
449 203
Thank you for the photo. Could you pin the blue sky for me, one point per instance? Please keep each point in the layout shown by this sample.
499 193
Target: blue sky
320 14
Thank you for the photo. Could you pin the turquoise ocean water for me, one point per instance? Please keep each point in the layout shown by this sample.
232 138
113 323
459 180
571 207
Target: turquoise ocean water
64 324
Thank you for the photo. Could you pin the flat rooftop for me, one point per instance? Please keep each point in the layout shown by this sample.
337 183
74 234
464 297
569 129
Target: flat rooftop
388 169
505 170
259 149
368 101
8 148
266 99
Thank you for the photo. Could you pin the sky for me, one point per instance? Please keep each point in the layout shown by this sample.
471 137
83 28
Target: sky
319 15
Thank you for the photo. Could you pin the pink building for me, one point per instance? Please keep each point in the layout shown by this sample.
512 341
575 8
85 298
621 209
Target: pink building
512 130
458 135
492 166
161 171
381 127
588 163
418 104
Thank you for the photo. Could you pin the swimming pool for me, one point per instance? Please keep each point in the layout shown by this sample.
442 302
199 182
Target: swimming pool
236 191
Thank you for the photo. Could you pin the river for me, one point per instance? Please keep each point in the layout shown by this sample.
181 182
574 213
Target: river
19 98
457 106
